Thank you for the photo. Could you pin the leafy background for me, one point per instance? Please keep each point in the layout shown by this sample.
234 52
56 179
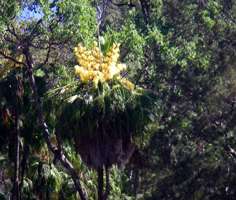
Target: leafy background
183 51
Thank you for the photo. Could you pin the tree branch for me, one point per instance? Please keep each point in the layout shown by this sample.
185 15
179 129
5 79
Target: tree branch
13 32
34 31
11 58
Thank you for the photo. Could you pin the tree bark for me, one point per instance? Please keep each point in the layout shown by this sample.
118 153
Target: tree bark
23 164
103 195
145 10
107 191
100 183
16 185
16 190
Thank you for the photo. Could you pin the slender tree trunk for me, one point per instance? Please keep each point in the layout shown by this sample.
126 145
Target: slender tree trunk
107 192
100 183
16 191
145 10
103 195
16 185
136 182
57 152
23 164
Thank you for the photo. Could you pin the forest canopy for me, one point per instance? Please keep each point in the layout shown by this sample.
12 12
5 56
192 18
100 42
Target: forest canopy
117 99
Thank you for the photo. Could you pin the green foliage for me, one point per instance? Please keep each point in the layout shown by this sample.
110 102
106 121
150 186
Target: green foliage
108 115
132 42
79 20
182 51
116 108
8 10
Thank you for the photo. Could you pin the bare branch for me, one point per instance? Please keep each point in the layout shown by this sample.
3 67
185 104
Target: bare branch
12 31
8 39
12 59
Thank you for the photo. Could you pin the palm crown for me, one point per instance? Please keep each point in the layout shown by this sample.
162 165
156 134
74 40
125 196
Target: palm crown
107 114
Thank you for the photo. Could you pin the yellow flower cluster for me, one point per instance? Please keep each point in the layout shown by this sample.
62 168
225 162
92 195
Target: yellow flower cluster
95 67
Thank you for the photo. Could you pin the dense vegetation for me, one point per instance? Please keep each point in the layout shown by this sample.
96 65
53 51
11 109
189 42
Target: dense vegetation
78 123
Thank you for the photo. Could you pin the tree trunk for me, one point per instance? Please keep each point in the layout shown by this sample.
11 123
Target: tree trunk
145 10
23 164
107 192
16 185
16 190
100 183
103 195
